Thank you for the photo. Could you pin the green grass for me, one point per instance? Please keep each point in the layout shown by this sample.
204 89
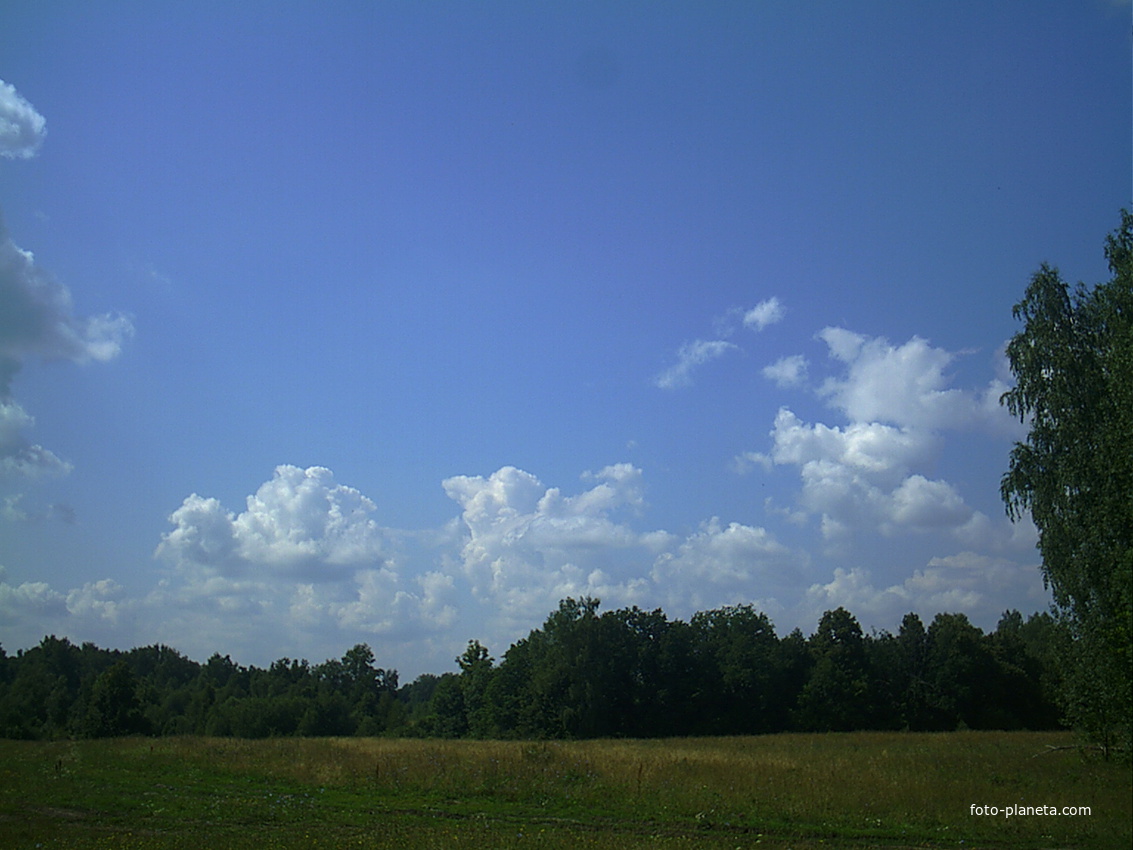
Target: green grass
800 791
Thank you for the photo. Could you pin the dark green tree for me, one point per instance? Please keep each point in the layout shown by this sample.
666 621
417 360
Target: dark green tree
912 672
1073 366
662 674
113 708
448 717
518 693
1019 701
961 675
742 692
836 698
475 678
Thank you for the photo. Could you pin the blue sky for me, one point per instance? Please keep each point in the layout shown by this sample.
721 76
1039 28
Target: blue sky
398 322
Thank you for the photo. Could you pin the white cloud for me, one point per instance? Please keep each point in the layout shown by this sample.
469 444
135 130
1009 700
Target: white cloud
18 457
871 479
689 357
11 511
725 564
923 504
22 129
306 569
858 480
302 516
967 582
861 476
787 371
36 319
906 385
873 474
99 610
36 315
763 314
745 462
104 600
694 354
299 523
870 447
204 535
30 599
439 598
526 546
304 544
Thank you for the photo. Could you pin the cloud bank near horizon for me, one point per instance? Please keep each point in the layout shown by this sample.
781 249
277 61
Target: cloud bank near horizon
307 563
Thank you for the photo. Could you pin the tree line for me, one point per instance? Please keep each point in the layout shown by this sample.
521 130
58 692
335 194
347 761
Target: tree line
583 674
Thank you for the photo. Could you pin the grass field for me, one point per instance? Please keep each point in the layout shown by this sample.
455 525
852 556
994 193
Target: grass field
799 791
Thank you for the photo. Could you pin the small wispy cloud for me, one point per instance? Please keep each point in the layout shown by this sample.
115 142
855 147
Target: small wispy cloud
764 313
694 354
755 319
787 371
689 357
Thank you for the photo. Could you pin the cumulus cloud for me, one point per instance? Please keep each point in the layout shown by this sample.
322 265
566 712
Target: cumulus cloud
874 473
305 563
305 567
299 522
861 476
921 503
204 534
99 610
906 385
103 600
726 564
690 356
871 447
526 545
22 129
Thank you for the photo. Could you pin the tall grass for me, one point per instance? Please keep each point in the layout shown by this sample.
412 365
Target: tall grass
864 789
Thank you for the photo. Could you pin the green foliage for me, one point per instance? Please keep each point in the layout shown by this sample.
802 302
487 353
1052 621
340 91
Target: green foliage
583 674
632 673
1073 365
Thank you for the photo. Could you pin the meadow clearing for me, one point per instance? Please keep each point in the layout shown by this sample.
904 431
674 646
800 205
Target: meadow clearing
860 790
